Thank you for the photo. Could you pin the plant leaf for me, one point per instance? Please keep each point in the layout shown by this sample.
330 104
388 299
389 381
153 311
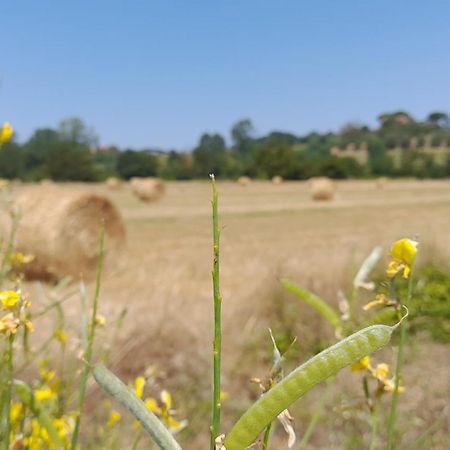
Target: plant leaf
320 305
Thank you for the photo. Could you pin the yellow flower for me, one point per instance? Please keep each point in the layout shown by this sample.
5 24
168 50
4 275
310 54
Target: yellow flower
6 133
362 364
3 183
380 299
9 299
61 336
139 386
164 411
389 386
403 253
9 324
382 371
20 258
44 394
114 417
100 320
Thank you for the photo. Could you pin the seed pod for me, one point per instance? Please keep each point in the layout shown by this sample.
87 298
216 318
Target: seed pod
302 379
127 398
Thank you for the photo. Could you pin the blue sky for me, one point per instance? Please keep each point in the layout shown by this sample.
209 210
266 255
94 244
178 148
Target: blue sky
159 73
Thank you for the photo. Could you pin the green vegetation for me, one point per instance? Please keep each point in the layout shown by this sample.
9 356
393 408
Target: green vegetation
400 146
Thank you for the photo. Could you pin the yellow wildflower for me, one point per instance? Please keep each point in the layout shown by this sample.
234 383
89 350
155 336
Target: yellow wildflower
380 299
100 320
362 364
44 394
6 133
9 299
403 253
382 371
20 258
164 411
9 324
389 385
114 417
139 386
60 336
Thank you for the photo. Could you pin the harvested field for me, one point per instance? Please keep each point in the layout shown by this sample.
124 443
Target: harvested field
164 279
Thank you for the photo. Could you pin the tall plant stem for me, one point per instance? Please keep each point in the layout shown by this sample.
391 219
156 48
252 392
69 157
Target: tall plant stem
398 371
90 342
374 418
7 397
216 407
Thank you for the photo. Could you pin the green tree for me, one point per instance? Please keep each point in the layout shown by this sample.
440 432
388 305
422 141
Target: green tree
66 161
210 156
241 134
136 164
439 119
12 161
274 156
74 130
379 161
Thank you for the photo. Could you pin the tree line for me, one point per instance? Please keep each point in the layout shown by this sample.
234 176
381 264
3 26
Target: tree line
71 152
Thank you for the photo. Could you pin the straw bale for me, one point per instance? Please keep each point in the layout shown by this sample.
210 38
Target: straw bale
61 228
244 181
277 179
148 189
322 189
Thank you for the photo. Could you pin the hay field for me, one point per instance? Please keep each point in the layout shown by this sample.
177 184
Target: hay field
164 278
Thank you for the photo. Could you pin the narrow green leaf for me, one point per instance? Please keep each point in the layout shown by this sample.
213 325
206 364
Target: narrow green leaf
128 399
314 301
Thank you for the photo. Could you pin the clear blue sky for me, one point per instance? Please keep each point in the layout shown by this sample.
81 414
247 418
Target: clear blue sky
159 73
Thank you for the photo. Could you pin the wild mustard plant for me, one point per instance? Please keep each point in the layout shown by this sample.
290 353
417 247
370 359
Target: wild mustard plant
6 133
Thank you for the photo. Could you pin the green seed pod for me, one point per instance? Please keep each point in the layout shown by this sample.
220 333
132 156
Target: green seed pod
302 379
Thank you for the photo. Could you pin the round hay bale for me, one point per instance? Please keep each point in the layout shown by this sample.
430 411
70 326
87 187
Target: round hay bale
62 230
113 183
277 179
244 181
147 189
381 182
47 182
322 189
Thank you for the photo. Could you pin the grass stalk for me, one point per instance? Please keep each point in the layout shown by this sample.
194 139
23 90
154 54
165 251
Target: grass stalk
216 406
266 438
374 432
316 416
398 370
90 342
7 397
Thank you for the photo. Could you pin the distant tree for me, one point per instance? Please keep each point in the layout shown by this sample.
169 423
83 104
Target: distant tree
178 166
241 134
136 164
274 156
74 130
439 119
69 162
210 156
12 161
379 161
39 145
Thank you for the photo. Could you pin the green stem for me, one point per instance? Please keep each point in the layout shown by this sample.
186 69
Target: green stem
374 417
266 438
215 427
90 342
398 370
7 398
315 418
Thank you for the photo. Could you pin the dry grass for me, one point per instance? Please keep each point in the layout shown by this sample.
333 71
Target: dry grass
268 231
